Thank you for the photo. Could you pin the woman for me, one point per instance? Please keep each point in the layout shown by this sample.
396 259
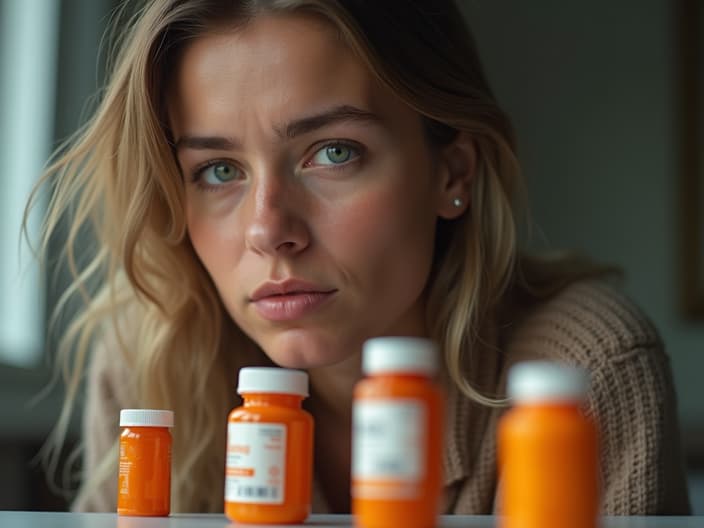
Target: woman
276 181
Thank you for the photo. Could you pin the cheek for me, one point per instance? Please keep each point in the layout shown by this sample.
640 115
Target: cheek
386 236
210 236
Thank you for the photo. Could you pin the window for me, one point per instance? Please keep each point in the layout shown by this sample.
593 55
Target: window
28 49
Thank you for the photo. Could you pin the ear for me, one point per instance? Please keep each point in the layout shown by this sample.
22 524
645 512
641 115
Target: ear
456 171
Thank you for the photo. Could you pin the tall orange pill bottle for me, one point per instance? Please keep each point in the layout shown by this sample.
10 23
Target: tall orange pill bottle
144 477
397 435
269 467
548 450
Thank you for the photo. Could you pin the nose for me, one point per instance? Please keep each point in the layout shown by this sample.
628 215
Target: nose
277 223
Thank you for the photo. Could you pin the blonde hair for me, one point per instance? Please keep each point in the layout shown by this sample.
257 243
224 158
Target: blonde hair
118 177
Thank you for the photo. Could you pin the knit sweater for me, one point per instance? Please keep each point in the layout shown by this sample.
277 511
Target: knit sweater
631 398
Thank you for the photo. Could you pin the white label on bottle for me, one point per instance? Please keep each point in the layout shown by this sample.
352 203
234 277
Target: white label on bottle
255 469
389 440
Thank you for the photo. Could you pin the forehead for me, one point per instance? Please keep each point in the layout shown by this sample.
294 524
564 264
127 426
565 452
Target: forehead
272 69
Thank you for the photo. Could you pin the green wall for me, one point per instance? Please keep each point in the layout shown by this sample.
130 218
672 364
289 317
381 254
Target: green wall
592 90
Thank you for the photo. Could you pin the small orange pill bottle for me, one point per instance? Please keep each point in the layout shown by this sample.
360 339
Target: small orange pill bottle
397 435
144 478
269 460
548 450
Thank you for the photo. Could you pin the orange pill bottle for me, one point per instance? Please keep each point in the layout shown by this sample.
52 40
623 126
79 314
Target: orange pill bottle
397 435
144 476
269 463
547 450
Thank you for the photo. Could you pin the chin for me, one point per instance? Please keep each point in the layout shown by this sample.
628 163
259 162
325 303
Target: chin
298 350
303 359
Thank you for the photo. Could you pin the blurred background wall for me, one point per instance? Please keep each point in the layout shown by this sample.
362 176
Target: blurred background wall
592 89
49 69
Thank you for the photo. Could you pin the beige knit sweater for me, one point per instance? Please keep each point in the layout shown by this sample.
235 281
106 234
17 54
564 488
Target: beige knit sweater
632 398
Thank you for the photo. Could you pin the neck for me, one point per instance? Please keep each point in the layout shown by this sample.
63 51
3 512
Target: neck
332 387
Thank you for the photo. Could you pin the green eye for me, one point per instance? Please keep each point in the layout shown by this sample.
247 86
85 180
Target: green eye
334 154
338 153
219 173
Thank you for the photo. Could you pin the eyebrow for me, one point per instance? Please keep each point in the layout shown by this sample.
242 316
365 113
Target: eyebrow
334 115
304 125
205 143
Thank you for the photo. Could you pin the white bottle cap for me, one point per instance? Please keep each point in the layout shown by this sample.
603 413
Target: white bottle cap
545 382
146 418
272 380
411 355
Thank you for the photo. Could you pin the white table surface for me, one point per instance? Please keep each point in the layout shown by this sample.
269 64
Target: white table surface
9 519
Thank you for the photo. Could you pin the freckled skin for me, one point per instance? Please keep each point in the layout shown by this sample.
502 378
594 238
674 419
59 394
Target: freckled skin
364 228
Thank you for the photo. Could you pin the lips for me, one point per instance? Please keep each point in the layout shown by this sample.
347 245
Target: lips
289 300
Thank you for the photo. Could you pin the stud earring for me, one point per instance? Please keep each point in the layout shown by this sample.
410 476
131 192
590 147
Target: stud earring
457 202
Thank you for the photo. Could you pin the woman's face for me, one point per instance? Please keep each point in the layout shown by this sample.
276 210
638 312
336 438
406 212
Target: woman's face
311 193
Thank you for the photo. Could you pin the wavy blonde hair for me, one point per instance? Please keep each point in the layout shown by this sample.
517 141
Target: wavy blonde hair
118 178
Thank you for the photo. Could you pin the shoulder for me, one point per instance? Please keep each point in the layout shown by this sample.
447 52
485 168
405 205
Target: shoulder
632 396
587 323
